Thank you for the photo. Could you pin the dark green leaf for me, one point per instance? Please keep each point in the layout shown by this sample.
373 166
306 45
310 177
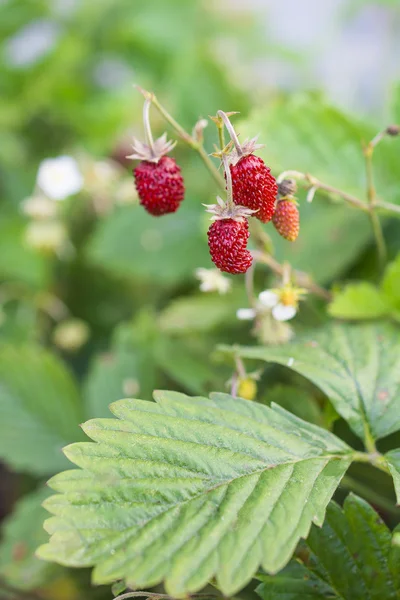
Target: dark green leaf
22 533
40 409
350 558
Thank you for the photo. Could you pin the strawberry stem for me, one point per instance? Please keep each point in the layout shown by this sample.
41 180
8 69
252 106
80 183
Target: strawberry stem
227 168
146 123
231 131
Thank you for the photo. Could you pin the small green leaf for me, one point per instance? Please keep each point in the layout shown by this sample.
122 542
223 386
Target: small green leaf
391 284
191 488
350 558
357 366
21 534
40 409
359 301
393 462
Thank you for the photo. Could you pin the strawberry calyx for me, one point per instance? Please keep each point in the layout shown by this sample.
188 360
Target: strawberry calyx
228 210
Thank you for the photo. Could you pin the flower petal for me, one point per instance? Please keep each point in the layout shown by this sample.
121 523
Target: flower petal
282 312
268 298
245 314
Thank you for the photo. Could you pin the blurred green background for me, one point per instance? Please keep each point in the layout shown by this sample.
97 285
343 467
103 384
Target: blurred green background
98 300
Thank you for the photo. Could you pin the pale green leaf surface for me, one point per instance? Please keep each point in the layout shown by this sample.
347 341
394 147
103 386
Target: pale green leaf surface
132 243
351 558
22 532
186 489
40 410
357 366
359 301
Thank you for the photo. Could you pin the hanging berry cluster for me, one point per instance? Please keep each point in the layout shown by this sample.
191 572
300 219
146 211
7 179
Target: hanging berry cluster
251 192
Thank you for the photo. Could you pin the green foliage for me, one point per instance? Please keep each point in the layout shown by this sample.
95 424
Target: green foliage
359 301
350 558
40 409
305 133
365 301
358 368
18 263
132 243
170 479
22 533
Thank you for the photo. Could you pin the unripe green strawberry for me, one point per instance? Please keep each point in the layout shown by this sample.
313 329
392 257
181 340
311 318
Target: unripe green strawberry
286 219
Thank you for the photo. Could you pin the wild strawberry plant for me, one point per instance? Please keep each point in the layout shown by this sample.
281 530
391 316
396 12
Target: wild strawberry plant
214 492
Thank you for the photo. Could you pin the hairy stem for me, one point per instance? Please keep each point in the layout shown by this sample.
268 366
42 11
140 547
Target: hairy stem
146 123
371 195
231 131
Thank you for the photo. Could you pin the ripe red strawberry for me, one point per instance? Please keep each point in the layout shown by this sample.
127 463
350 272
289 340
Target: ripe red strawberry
227 240
286 220
159 185
253 186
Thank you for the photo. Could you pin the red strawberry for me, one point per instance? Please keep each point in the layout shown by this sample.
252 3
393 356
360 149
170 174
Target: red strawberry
159 185
253 186
227 240
286 220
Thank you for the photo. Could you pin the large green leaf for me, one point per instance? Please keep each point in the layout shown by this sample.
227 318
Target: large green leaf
350 558
132 243
21 534
187 489
357 366
40 409
304 133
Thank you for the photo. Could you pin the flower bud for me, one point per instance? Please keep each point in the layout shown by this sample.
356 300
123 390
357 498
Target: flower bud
39 207
247 388
71 334
47 237
287 187
393 130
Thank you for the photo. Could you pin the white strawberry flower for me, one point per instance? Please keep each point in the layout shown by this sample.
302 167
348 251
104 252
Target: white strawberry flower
280 310
59 177
211 280
281 303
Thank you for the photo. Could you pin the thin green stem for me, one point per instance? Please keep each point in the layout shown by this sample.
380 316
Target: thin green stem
157 596
371 195
186 137
379 238
363 490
